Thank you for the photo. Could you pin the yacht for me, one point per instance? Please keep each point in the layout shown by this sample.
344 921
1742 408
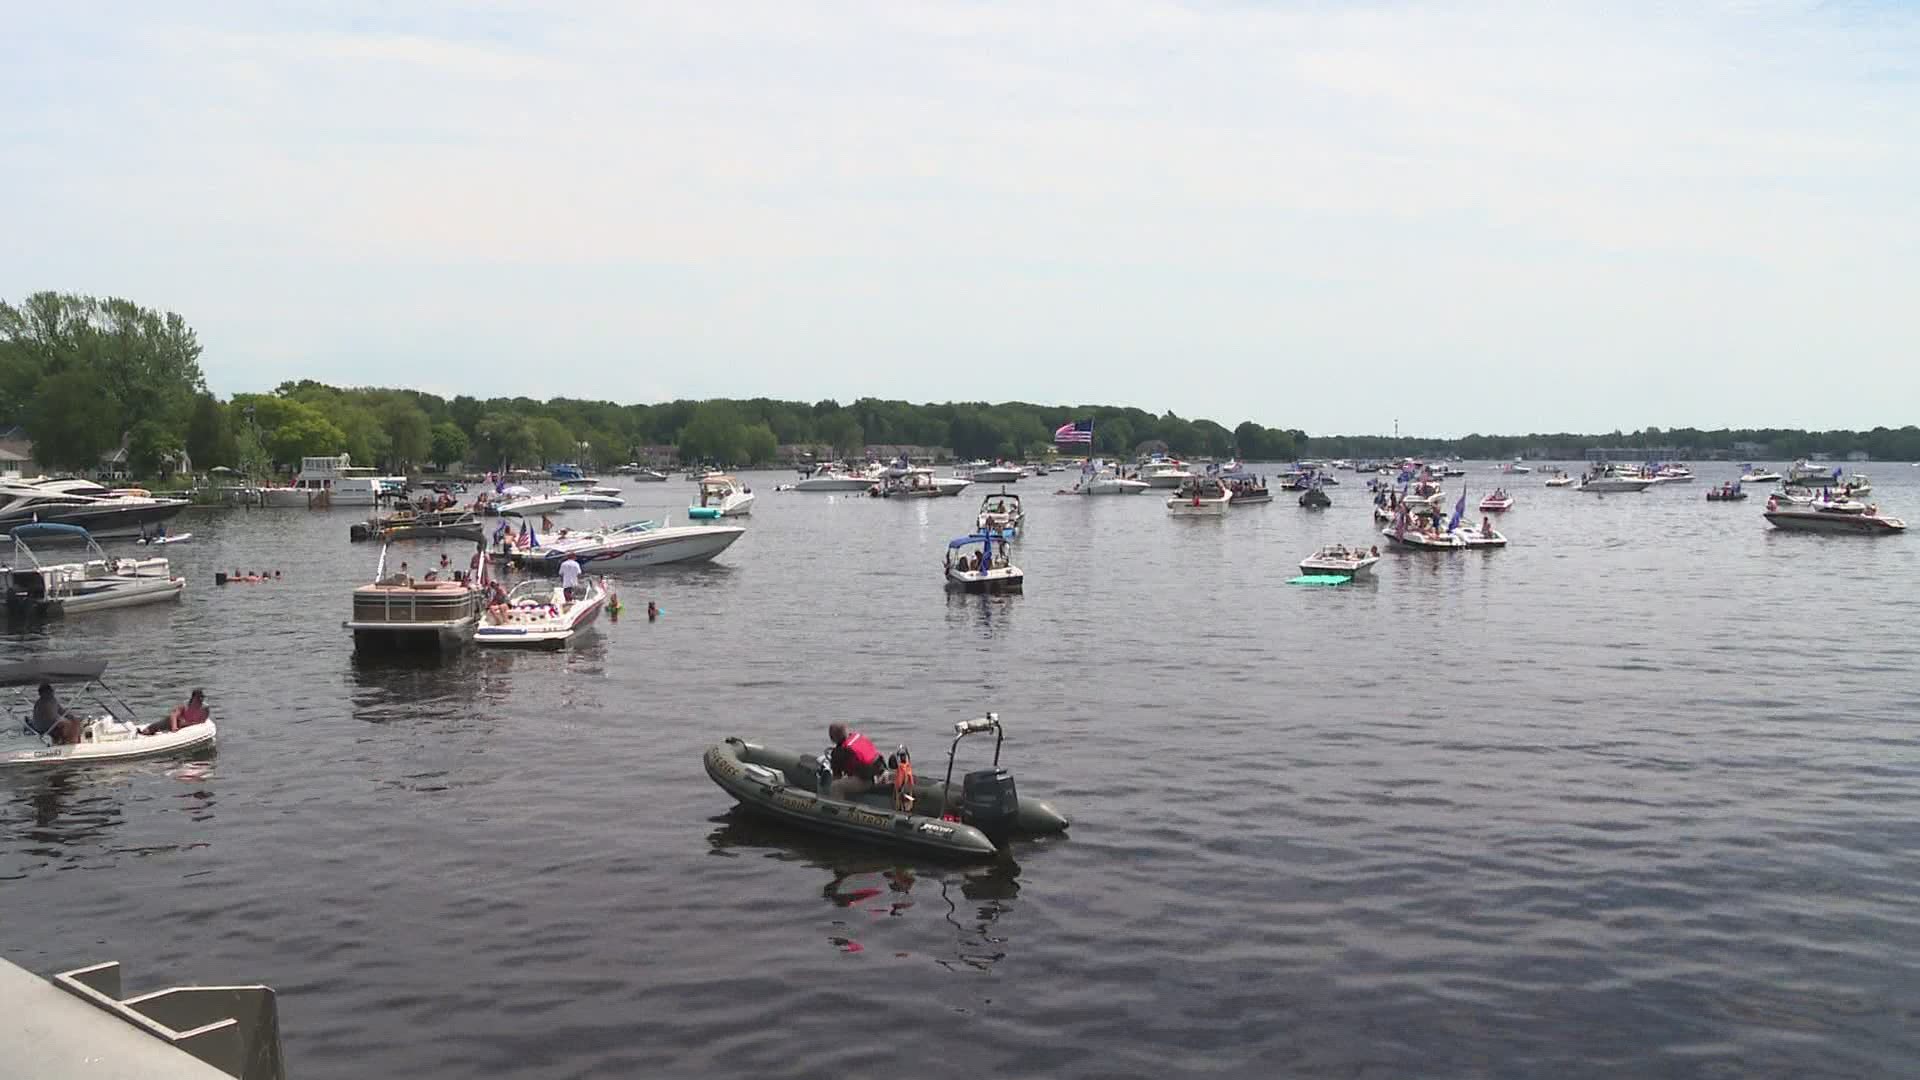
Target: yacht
530 504
1100 479
639 543
96 582
101 512
588 495
721 496
1806 474
1606 480
832 477
1164 472
1843 515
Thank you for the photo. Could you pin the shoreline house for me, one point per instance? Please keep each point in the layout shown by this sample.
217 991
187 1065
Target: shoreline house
16 455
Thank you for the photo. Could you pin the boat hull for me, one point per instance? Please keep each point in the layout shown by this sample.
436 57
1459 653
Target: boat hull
32 753
1611 485
834 483
687 544
1009 580
1361 569
1816 521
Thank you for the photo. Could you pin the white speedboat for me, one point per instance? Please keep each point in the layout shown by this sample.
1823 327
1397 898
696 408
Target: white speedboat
69 501
1100 479
531 505
1165 472
1607 481
637 544
997 474
1339 559
1559 479
1408 534
916 483
1843 516
1509 467
1673 474
107 734
721 496
537 614
988 570
1202 496
1497 500
831 477
645 475
97 582
588 496
1806 474
1752 475
1001 515
1483 535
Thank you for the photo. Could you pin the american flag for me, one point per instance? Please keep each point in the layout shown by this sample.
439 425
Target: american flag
1080 431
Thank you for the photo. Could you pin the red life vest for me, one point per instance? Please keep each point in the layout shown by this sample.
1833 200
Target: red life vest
866 757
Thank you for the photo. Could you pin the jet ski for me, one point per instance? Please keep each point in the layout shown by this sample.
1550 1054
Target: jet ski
975 817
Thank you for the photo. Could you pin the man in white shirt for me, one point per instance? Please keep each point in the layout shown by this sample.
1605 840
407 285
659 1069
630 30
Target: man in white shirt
569 576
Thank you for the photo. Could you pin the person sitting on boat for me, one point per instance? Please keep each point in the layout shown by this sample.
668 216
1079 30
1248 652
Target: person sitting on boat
569 577
54 720
1486 526
193 712
855 761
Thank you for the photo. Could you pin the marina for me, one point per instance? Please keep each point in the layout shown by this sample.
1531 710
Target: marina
472 760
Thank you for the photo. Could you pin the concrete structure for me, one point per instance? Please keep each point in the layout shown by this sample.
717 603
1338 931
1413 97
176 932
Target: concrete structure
79 1025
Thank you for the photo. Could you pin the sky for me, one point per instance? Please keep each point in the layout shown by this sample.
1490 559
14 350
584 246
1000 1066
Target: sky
1463 216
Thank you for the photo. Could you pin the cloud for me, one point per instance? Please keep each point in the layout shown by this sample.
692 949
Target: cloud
1064 199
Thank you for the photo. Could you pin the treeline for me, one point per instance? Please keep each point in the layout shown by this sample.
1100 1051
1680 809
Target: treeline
84 376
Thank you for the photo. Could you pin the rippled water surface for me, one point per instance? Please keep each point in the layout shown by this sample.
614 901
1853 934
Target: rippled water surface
1633 797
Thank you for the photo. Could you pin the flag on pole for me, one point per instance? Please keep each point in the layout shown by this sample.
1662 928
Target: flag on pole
1459 511
1080 431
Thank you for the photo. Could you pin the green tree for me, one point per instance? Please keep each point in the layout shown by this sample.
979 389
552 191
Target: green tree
449 445
504 441
152 449
758 444
72 419
554 441
409 436
302 432
714 433
841 431
207 440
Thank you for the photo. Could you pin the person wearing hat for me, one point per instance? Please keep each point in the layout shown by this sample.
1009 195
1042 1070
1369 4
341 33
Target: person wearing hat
193 712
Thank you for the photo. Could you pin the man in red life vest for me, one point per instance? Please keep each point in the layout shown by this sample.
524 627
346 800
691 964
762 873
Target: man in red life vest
855 760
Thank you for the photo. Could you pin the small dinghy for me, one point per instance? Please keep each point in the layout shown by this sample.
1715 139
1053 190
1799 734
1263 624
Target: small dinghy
110 732
1726 493
538 615
978 817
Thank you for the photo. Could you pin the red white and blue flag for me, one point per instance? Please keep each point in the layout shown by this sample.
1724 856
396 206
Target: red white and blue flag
1080 431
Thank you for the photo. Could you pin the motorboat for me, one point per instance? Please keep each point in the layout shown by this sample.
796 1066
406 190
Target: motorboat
1483 535
635 544
1496 501
1513 467
1559 479
1315 499
1751 475
1729 492
420 525
977 817
1202 496
1856 485
532 505
1844 516
97 582
1001 515
1671 473
989 570
1164 472
1606 481
1804 473
1406 535
397 613
721 496
831 477
916 483
69 501
537 614
1110 483
110 731
645 475
587 495
1341 560
997 474
1248 489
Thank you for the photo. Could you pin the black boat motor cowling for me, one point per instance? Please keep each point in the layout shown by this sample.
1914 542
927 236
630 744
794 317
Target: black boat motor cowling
989 803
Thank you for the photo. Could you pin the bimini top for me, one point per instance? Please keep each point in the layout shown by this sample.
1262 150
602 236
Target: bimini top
52 669
976 538
42 529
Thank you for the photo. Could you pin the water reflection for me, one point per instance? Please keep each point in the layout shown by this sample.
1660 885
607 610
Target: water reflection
881 885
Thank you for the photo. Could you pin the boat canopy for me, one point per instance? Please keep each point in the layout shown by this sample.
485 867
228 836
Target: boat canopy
45 529
52 669
976 538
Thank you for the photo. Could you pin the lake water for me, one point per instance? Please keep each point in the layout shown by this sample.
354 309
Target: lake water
1636 796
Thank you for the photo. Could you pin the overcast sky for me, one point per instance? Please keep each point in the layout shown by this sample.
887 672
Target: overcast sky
1491 217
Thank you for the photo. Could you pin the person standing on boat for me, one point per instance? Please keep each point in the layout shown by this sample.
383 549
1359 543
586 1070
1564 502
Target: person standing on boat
193 712
855 761
569 576
57 722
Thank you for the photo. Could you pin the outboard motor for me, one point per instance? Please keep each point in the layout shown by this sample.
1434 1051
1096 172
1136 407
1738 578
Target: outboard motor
822 774
989 803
